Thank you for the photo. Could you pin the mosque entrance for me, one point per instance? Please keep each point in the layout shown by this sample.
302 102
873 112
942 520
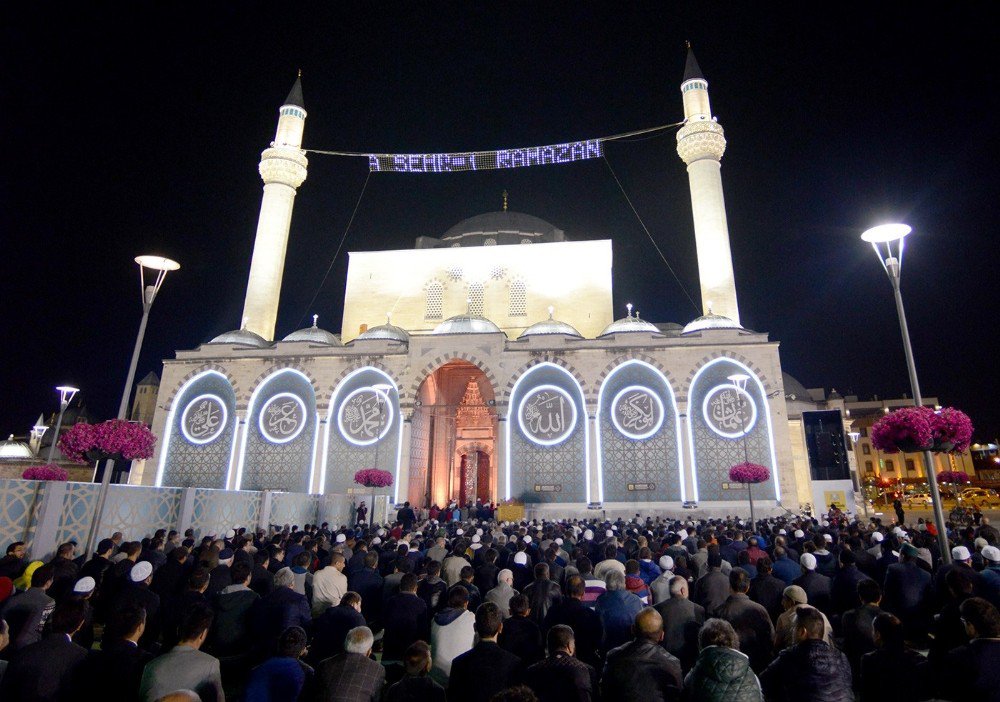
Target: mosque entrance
453 438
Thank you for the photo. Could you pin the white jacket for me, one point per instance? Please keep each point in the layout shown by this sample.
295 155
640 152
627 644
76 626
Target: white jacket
451 640
328 586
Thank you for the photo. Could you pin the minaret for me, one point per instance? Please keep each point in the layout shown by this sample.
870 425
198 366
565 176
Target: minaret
283 168
700 144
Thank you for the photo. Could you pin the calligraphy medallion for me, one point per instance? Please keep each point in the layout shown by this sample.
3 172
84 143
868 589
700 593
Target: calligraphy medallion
729 411
365 416
283 418
637 412
547 415
204 419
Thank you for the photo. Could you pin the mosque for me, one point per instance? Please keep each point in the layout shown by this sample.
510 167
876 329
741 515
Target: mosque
502 373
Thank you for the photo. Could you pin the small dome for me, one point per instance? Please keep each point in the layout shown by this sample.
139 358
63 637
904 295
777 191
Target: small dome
314 335
550 326
467 324
629 324
710 321
14 449
500 228
241 337
386 331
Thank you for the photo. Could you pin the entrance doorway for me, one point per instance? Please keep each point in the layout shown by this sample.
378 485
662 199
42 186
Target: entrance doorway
453 438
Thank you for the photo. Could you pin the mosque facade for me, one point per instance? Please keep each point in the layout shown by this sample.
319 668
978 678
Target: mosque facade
488 364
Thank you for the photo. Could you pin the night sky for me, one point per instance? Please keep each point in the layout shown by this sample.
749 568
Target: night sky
135 128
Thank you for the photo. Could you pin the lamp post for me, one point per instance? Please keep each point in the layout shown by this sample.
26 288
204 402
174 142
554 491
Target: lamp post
66 393
37 432
158 267
856 473
381 395
887 241
739 381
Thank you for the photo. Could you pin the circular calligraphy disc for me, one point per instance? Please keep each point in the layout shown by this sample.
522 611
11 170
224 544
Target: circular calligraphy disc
637 412
729 411
547 415
204 419
283 418
365 416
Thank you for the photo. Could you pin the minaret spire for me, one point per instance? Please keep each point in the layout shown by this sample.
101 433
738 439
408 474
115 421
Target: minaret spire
283 169
701 143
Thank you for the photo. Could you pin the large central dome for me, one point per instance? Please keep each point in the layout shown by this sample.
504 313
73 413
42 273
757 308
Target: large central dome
496 229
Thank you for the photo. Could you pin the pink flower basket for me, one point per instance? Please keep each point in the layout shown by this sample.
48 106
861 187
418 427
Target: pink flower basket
115 438
373 478
50 471
749 473
910 429
955 477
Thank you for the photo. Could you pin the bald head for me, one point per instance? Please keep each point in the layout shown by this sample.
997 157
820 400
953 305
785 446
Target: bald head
648 625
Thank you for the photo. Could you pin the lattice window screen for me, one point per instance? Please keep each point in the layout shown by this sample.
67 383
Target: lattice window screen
477 299
518 299
435 301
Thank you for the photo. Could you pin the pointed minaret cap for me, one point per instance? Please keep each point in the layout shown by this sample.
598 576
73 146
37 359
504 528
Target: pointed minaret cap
692 71
295 94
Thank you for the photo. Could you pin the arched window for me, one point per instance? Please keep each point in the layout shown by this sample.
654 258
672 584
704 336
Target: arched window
477 299
435 301
517 305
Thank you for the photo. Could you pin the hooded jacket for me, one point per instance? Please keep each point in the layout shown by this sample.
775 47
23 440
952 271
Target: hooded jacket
452 634
230 629
722 674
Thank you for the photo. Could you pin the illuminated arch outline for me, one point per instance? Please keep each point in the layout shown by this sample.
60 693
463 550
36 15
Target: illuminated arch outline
222 424
386 426
170 420
586 426
246 431
520 415
305 415
744 430
767 417
677 425
329 418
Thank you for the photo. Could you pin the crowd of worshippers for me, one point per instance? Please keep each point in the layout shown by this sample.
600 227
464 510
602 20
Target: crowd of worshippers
789 609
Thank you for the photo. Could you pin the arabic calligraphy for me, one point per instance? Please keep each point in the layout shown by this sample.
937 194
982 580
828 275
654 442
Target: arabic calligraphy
547 415
203 419
637 412
365 416
729 412
282 418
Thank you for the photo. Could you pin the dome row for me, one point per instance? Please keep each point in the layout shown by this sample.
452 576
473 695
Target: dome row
474 324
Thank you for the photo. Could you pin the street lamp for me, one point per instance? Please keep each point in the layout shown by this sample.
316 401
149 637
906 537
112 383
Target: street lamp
158 267
381 396
856 473
739 381
887 241
66 393
37 432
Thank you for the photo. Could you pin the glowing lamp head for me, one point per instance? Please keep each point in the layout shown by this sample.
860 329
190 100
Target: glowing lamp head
157 263
885 233
66 393
739 380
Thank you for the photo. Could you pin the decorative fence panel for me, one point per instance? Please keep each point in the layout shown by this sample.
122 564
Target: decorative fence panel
293 509
18 499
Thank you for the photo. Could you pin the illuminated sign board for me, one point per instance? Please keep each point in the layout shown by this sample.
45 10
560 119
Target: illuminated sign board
547 415
487 160
729 411
637 412
282 418
365 416
204 419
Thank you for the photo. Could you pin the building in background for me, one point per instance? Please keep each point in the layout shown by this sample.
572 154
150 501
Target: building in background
144 399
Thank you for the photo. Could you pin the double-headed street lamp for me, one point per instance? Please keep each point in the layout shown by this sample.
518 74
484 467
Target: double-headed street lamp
887 241
66 393
158 267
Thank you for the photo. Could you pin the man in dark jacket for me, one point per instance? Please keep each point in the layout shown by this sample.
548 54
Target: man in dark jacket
352 675
561 677
99 564
417 684
750 620
891 666
844 589
816 585
973 670
368 583
13 563
583 620
406 619
261 577
682 619
857 625
230 633
281 609
907 592
478 674
766 589
811 669
542 593
47 670
711 589
520 635
642 669
136 593
332 626
114 672
721 672
27 612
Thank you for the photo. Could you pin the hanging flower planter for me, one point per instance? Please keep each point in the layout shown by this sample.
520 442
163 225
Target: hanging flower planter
373 478
913 429
955 477
114 439
749 474
49 471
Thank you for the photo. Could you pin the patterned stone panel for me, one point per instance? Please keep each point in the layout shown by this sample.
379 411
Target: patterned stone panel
18 499
216 511
200 433
335 509
419 455
355 422
293 508
281 435
554 470
728 428
637 424
79 508
138 512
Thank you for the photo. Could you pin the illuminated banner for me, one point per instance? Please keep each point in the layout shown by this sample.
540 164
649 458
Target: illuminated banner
487 160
